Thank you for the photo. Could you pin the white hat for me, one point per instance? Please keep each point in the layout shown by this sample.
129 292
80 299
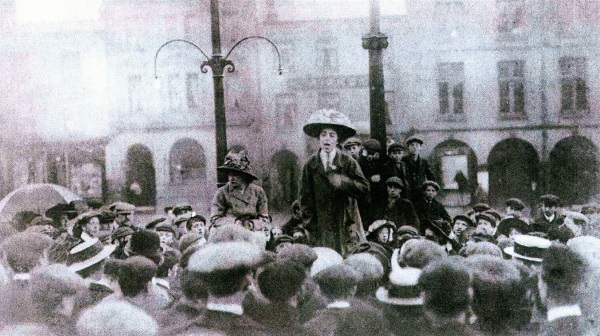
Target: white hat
529 248
88 254
403 289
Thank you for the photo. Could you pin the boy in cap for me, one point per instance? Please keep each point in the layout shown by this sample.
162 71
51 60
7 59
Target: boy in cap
371 165
225 269
417 168
124 213
427 207
394 166
397 209
331 184
548 217
353 147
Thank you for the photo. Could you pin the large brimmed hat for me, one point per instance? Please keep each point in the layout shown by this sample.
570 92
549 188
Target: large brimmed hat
88 254
327 118
403 288
237 162
529 248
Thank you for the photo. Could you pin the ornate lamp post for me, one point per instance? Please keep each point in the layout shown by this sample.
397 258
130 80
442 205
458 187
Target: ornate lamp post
375 42
217 64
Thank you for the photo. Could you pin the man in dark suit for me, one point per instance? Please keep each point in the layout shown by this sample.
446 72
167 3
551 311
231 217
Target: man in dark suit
428 208
562 272
417 168
394 166
395 208
550 221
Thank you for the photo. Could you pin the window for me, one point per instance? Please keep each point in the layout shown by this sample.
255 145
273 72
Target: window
174 92
192 90
450 88
134 85
329 100
327 57
511 84
510 15
573 86
286 110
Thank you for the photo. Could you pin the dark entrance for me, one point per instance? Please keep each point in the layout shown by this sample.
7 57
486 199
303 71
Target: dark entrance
574 170
513 167
187 162
140 182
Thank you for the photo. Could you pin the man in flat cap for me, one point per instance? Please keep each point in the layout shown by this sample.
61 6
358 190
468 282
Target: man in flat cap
394 166
417 168
549 220
124 213
353 147
225 269
395 208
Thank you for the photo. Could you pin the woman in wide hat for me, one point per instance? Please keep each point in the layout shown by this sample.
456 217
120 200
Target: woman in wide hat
239 201
331 183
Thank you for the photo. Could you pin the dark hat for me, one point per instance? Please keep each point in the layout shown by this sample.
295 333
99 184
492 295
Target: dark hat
430 183
327 118
418 253
62 208
121 232
145 243
167 208
377 251
283 239
237 162
439 226
494 214
165 228
181 219
381 223
407 229
353 141
372 145
529 248
188 240
550 200
395 180
487 217
281 280
300 253
506 225
179 208
155 222
413 139
86 216
88 254
41 220
396 146
194 219
403 288
337 280
515 203
481 207
122 208
107 217
464 218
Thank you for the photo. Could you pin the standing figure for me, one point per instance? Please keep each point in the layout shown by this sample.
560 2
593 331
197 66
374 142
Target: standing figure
239 201
331 183
428 208
417 168
395 166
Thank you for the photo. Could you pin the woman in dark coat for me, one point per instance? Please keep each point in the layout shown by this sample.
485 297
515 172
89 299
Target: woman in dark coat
331 183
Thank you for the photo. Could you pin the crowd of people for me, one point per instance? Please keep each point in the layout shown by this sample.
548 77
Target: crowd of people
368 250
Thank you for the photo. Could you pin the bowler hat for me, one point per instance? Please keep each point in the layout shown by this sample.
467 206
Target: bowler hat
515 203
237 163
413 139
529 248
327 118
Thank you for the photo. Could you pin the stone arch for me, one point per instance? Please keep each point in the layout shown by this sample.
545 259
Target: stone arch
140 176
514 167
573 170
284 175
187 162
454 164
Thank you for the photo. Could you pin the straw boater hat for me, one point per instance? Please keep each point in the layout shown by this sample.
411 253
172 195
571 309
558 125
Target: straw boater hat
529 248
88 254
403 289
327 118
237 162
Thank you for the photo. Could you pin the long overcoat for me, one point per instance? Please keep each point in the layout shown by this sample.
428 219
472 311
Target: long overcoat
331 214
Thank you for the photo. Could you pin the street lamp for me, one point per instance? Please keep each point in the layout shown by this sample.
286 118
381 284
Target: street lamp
218 63
375 42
